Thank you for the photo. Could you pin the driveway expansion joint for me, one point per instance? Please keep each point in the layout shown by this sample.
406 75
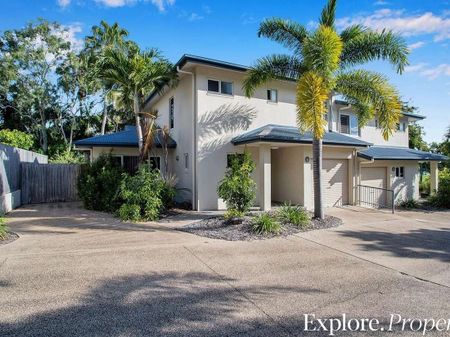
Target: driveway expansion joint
240 292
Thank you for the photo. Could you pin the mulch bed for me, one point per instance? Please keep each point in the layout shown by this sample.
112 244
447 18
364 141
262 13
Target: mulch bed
219 228
10 237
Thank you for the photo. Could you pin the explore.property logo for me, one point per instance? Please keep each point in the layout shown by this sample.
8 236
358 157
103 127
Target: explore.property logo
395 323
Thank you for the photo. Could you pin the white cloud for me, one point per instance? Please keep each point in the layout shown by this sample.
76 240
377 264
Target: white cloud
160 4
428 71
195 17
381 3
70 34
63 3
406 24
416 45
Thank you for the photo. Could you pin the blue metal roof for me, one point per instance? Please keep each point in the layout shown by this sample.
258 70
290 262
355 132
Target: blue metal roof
126 138
399 153
291 134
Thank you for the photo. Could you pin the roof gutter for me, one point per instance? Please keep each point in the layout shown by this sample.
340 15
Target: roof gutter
194 141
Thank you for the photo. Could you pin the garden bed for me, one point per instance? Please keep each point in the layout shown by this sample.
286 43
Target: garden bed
9 237
220 228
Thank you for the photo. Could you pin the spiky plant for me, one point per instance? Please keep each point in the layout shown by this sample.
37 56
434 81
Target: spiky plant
321 63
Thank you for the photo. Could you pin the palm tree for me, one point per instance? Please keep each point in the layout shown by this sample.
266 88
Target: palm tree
321 64
104 36
133 74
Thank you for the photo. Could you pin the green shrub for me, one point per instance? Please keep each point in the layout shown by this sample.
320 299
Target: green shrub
16 138
237 188
408 204
3 228
130 212
98 184
294 215
148 191
265 223
67 157
233 214
442 197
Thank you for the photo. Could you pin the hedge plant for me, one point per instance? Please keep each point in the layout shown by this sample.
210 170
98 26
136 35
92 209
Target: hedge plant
98 184
237 188
144 195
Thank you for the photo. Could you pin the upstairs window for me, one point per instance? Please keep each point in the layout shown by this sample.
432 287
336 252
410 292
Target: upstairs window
272 95
221 87
349 125
171 112
401 127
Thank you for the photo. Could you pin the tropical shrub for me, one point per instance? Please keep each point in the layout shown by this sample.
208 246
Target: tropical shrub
408 204
145 191
3 228
442 197
98 184
265 223
16 138
237 188
67 157
293 214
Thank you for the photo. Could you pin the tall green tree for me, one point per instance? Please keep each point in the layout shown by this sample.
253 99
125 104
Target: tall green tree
28 59
103 37
133 74
321 63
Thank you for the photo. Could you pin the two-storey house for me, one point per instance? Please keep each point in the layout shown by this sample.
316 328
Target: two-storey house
210 118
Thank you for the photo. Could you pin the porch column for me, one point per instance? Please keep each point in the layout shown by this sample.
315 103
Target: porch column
434 176
265 188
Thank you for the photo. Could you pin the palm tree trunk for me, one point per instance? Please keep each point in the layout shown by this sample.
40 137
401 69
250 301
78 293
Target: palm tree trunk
317 174
138 124
105 117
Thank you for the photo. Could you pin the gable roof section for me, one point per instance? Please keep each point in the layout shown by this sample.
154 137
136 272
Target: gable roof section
399 153
290 134
126 138
210 62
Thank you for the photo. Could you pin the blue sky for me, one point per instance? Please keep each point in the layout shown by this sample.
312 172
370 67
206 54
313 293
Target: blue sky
226 30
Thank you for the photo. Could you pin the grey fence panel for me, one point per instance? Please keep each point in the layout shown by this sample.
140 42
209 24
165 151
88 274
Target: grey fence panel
49 183
10 161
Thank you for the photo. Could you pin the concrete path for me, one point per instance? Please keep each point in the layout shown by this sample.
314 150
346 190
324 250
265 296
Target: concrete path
74 272
411 242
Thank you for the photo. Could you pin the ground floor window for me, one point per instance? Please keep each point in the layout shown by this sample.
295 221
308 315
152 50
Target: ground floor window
128 163
400 172
155 163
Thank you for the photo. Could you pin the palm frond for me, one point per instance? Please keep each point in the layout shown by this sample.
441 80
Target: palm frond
328 14
290 34
322 51
312 93
352 32
374 91
369 46
282 67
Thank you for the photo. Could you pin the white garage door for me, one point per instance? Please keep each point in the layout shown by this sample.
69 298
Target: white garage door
335 182
374 177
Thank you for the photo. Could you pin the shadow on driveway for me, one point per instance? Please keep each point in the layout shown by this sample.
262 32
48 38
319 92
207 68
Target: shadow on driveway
170 304
416 243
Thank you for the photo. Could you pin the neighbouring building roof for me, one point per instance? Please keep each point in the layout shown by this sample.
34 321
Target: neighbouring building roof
126 138
399 153
289 134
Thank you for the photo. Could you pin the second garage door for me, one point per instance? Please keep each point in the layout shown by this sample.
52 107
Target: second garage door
335 182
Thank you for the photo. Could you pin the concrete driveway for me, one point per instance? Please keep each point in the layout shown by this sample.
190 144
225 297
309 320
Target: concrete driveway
74 272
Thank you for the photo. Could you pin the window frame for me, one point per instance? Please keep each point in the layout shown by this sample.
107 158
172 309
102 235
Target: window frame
399 126
172 112
269 91
158 162
400 172
349 124
186 161
220 87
